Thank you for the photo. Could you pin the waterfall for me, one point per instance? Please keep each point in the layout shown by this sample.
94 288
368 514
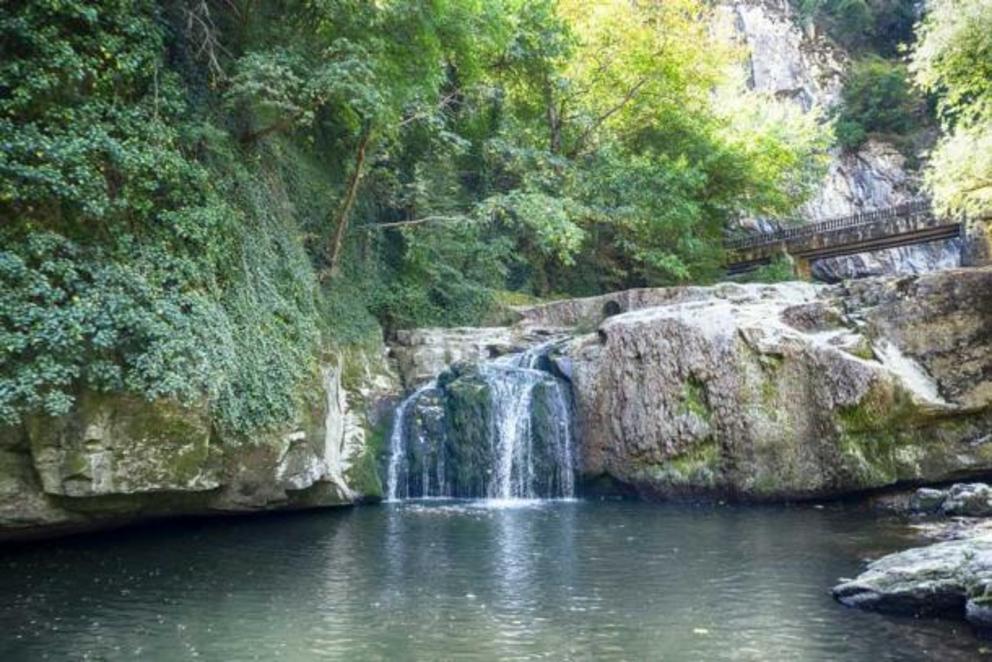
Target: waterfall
397 441
500 430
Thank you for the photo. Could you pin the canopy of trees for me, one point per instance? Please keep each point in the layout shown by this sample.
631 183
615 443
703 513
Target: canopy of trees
198 196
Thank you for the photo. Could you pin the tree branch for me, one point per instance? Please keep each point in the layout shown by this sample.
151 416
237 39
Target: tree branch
415 221
598 122
334 249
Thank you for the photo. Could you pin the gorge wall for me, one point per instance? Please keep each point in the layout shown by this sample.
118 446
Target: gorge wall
793 60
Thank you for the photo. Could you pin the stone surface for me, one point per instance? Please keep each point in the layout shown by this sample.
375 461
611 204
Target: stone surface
422 354
948 578
901 261
783 59
969 500
874 177
791 390
119 458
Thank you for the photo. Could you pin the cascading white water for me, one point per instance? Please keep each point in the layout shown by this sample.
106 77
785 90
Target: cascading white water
519 461
512 391
563 417
397 445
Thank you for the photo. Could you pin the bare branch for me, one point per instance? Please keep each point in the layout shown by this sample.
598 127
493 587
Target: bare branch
598 122
201 30
416 221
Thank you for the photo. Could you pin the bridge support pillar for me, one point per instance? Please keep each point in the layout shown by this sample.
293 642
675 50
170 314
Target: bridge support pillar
977 236
802 268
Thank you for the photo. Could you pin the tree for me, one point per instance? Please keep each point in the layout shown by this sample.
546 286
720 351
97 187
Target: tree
953 60
877 99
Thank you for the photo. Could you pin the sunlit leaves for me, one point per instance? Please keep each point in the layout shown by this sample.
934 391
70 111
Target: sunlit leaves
953 59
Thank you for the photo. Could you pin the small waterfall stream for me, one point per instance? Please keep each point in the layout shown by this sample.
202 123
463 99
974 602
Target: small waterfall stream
501 430
397 443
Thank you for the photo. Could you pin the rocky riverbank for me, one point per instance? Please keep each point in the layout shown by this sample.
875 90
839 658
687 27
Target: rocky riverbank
951 578
117 458
748 392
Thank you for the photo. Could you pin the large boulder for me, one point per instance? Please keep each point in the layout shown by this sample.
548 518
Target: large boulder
791 390
117 458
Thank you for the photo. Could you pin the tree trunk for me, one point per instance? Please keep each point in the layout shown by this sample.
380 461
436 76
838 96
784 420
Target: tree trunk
344 211
554 119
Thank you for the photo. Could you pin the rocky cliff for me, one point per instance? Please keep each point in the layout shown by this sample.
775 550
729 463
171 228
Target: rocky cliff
117 458
794 62
775 391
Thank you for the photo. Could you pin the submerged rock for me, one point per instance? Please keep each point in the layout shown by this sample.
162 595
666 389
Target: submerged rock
927 500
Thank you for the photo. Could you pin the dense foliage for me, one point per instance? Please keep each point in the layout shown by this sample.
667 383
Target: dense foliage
878 99
953 60
198 197
879 26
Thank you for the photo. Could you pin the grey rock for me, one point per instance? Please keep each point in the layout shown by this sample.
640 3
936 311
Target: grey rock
783 59
792 390
968 500
116 458
948 578
901 261
927 500
951 578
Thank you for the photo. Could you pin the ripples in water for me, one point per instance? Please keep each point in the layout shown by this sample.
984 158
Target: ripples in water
442 579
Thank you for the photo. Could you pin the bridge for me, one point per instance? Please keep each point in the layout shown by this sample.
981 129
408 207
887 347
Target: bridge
904 225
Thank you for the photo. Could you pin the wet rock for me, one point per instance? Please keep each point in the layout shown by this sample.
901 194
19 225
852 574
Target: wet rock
422 354
927 500
944 579
968 500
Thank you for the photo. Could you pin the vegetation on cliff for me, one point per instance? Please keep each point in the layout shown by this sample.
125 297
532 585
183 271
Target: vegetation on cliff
953 60
200 196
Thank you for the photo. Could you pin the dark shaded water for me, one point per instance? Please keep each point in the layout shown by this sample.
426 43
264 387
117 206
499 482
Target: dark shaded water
565 580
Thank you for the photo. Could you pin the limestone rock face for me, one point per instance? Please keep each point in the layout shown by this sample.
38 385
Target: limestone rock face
791 390
422 354
783 59
872 178
117 458
124 445
900 261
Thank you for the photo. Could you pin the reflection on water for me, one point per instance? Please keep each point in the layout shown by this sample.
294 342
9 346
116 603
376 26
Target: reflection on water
441 579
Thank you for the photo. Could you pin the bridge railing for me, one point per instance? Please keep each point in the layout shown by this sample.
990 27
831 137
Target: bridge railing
829 225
